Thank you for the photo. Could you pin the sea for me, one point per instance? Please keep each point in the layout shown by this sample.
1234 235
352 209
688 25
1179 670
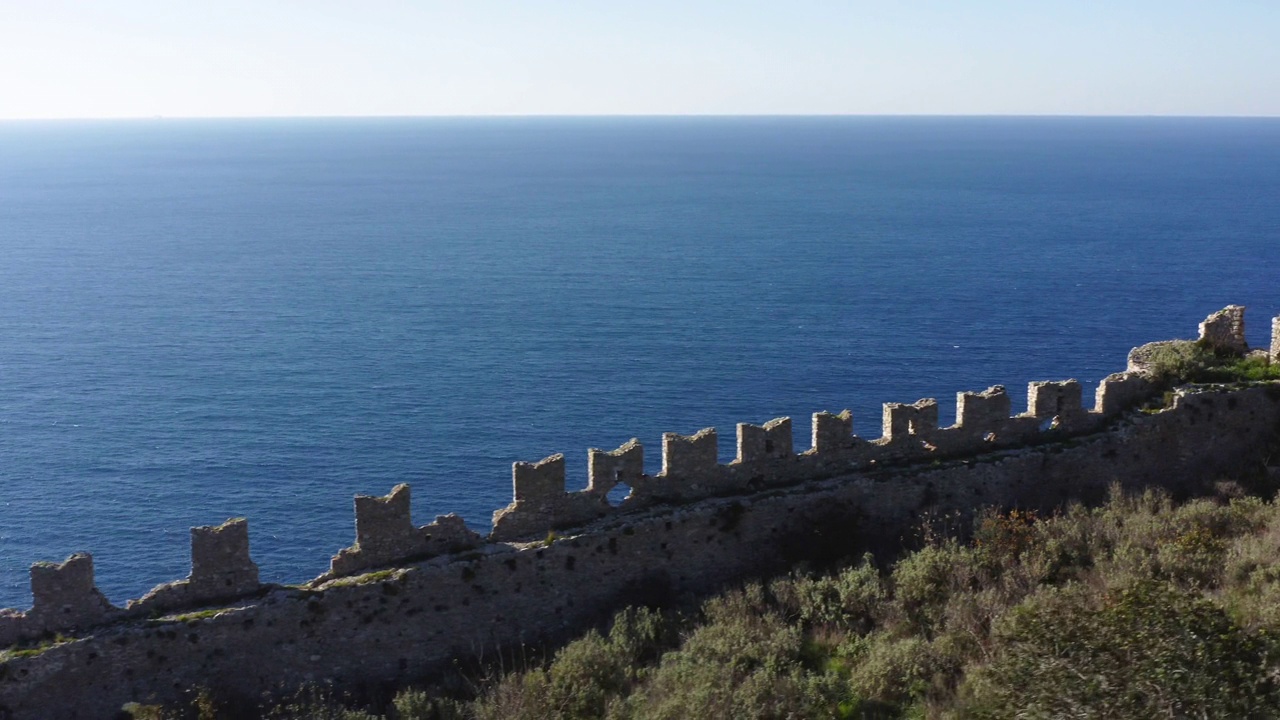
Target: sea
204 319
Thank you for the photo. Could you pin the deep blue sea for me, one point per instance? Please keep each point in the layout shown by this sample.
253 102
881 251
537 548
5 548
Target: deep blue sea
206 319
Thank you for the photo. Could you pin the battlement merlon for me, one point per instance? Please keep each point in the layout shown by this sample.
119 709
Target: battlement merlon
541 503
689 455
919 419
385 534
606 469
770 441
832 432
1049 399
383 521
540 482
1224 330
221 569
983 412
220 559
1119 391
64 594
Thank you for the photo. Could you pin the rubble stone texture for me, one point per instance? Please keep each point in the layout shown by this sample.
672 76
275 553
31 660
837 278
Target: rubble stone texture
220 561
385 534
1275 339
919 418
1224 330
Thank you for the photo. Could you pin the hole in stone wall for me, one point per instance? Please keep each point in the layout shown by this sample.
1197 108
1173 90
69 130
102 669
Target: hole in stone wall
618 494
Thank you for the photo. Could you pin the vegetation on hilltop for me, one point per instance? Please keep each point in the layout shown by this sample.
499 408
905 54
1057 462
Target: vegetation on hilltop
1138 608
1181 361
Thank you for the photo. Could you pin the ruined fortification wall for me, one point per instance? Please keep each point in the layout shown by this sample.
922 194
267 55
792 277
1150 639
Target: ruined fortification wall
693 527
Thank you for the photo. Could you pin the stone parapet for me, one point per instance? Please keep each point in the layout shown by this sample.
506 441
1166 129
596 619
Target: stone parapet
424 617
1202 433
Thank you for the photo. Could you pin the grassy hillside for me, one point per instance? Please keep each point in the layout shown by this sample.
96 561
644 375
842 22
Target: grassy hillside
1139 608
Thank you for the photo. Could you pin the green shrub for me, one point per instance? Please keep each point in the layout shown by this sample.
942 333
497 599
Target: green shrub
415 704
1247 369
745 661
904 671
643 634
845 601
589 675
1148 650
922 583
516 696
1179 361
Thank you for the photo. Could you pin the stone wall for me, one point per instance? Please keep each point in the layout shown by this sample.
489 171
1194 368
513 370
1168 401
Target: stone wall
765 457
692 527
1224 330
66 599
403 624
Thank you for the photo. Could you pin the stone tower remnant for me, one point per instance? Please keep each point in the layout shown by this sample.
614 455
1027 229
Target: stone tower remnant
1224 330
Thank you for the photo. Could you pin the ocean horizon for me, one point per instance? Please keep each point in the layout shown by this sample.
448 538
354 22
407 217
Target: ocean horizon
263 317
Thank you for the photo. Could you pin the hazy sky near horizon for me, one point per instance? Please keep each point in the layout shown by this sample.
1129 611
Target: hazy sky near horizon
195 58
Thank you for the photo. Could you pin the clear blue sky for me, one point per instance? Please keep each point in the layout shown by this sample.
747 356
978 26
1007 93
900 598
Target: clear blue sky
129 58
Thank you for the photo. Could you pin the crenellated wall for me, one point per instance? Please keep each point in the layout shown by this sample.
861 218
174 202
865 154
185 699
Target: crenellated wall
66 599
692 527
765 457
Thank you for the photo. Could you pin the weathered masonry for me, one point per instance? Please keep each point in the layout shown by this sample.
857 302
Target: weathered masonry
405 600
